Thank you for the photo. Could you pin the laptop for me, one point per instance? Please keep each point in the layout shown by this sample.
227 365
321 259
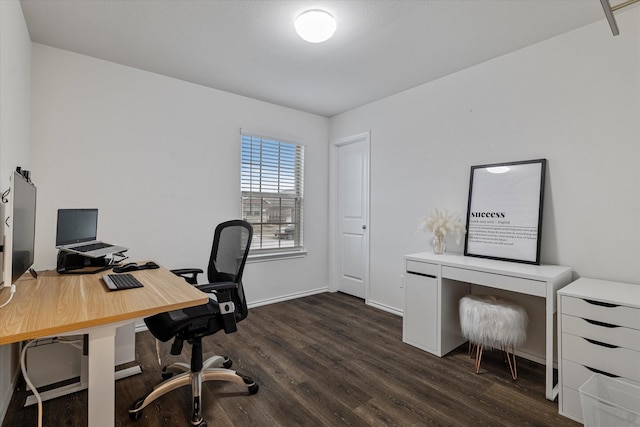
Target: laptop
76 232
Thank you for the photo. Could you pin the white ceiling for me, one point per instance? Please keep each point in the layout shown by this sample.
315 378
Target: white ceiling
250 48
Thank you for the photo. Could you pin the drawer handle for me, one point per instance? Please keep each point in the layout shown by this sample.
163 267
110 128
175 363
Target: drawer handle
604 325
602 344
421 274
601 304
598 371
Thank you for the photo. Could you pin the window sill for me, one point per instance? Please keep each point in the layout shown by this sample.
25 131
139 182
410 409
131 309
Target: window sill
275 256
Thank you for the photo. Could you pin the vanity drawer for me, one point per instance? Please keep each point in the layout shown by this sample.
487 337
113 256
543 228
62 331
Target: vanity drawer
612 314
497 281
575 374
601 331
617 360
422 268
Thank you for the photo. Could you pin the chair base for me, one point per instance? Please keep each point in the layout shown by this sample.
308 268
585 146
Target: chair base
211 371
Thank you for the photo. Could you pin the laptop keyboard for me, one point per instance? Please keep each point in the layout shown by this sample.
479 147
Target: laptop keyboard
91 247
116 282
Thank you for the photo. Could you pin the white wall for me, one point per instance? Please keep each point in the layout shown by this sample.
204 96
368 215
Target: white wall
160 159
15 66
15 69
573 99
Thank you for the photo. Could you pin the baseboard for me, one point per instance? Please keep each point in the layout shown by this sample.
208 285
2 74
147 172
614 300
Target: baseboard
287 297
386 308
533 357
142 327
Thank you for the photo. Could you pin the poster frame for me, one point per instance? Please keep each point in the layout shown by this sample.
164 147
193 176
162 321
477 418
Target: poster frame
487 249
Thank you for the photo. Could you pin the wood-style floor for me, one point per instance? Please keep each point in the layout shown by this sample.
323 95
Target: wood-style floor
325 360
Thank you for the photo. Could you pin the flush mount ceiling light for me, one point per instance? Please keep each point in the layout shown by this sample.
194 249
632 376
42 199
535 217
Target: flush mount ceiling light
315 26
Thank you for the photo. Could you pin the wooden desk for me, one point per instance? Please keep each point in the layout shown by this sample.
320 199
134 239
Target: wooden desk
55 304
435 284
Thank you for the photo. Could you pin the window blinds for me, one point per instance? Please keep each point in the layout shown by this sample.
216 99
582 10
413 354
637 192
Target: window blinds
272 191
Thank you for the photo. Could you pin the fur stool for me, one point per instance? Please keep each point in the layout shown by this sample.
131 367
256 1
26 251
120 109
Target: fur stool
490 322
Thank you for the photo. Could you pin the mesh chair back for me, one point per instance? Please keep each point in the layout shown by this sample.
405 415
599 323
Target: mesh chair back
231 243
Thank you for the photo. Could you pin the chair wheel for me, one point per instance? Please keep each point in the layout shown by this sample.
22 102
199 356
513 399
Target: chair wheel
227 363
137 414
253 388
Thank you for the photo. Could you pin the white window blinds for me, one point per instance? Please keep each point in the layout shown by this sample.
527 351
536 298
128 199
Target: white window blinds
272 174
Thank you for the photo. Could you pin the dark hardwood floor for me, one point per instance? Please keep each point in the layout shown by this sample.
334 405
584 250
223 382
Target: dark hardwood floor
325 360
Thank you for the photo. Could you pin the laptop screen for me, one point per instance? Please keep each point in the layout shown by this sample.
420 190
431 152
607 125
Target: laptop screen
76 225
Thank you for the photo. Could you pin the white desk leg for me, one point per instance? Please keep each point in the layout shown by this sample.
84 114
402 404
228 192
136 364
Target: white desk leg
550 391
102 398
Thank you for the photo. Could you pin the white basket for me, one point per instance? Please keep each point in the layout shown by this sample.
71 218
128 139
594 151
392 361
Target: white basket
610 402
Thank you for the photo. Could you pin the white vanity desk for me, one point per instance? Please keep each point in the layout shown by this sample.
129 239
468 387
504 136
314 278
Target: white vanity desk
435 284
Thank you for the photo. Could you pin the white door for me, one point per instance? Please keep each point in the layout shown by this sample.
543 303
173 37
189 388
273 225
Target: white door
353 215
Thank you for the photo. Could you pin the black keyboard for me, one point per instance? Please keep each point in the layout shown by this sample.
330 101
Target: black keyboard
91 247
116 282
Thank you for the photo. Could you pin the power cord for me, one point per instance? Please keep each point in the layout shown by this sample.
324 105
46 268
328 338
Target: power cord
74 342
28 381
13 291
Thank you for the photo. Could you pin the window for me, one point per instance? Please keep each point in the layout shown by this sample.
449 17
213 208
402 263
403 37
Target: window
272 193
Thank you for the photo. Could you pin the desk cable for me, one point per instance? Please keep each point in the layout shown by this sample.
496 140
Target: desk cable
26 376
28 381
13 291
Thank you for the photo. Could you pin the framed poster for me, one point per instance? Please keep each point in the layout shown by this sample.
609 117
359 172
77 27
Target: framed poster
504 213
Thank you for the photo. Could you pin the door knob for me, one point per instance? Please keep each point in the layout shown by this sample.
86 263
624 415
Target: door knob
364 227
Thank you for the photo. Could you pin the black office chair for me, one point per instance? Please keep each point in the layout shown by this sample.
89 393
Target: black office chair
227 307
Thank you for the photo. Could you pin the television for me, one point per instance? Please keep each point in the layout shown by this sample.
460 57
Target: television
20 228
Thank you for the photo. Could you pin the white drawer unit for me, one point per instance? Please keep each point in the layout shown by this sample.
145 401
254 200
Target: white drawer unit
598 332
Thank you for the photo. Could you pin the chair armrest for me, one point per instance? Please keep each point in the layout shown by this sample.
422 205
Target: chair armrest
188 274
214 287
223 292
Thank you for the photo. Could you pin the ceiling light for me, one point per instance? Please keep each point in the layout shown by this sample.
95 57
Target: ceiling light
315 26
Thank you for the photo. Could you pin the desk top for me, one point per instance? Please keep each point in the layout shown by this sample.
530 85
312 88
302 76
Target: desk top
530 271
57 303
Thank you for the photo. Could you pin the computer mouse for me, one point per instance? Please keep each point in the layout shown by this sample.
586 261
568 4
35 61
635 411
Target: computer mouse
132 266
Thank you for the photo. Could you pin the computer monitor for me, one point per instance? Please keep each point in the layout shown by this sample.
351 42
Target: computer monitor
20 229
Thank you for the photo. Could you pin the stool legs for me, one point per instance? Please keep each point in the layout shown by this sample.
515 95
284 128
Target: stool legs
498 323
477 348
509 353
478 357
512 362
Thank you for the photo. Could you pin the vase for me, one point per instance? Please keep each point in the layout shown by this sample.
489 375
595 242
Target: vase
439 245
